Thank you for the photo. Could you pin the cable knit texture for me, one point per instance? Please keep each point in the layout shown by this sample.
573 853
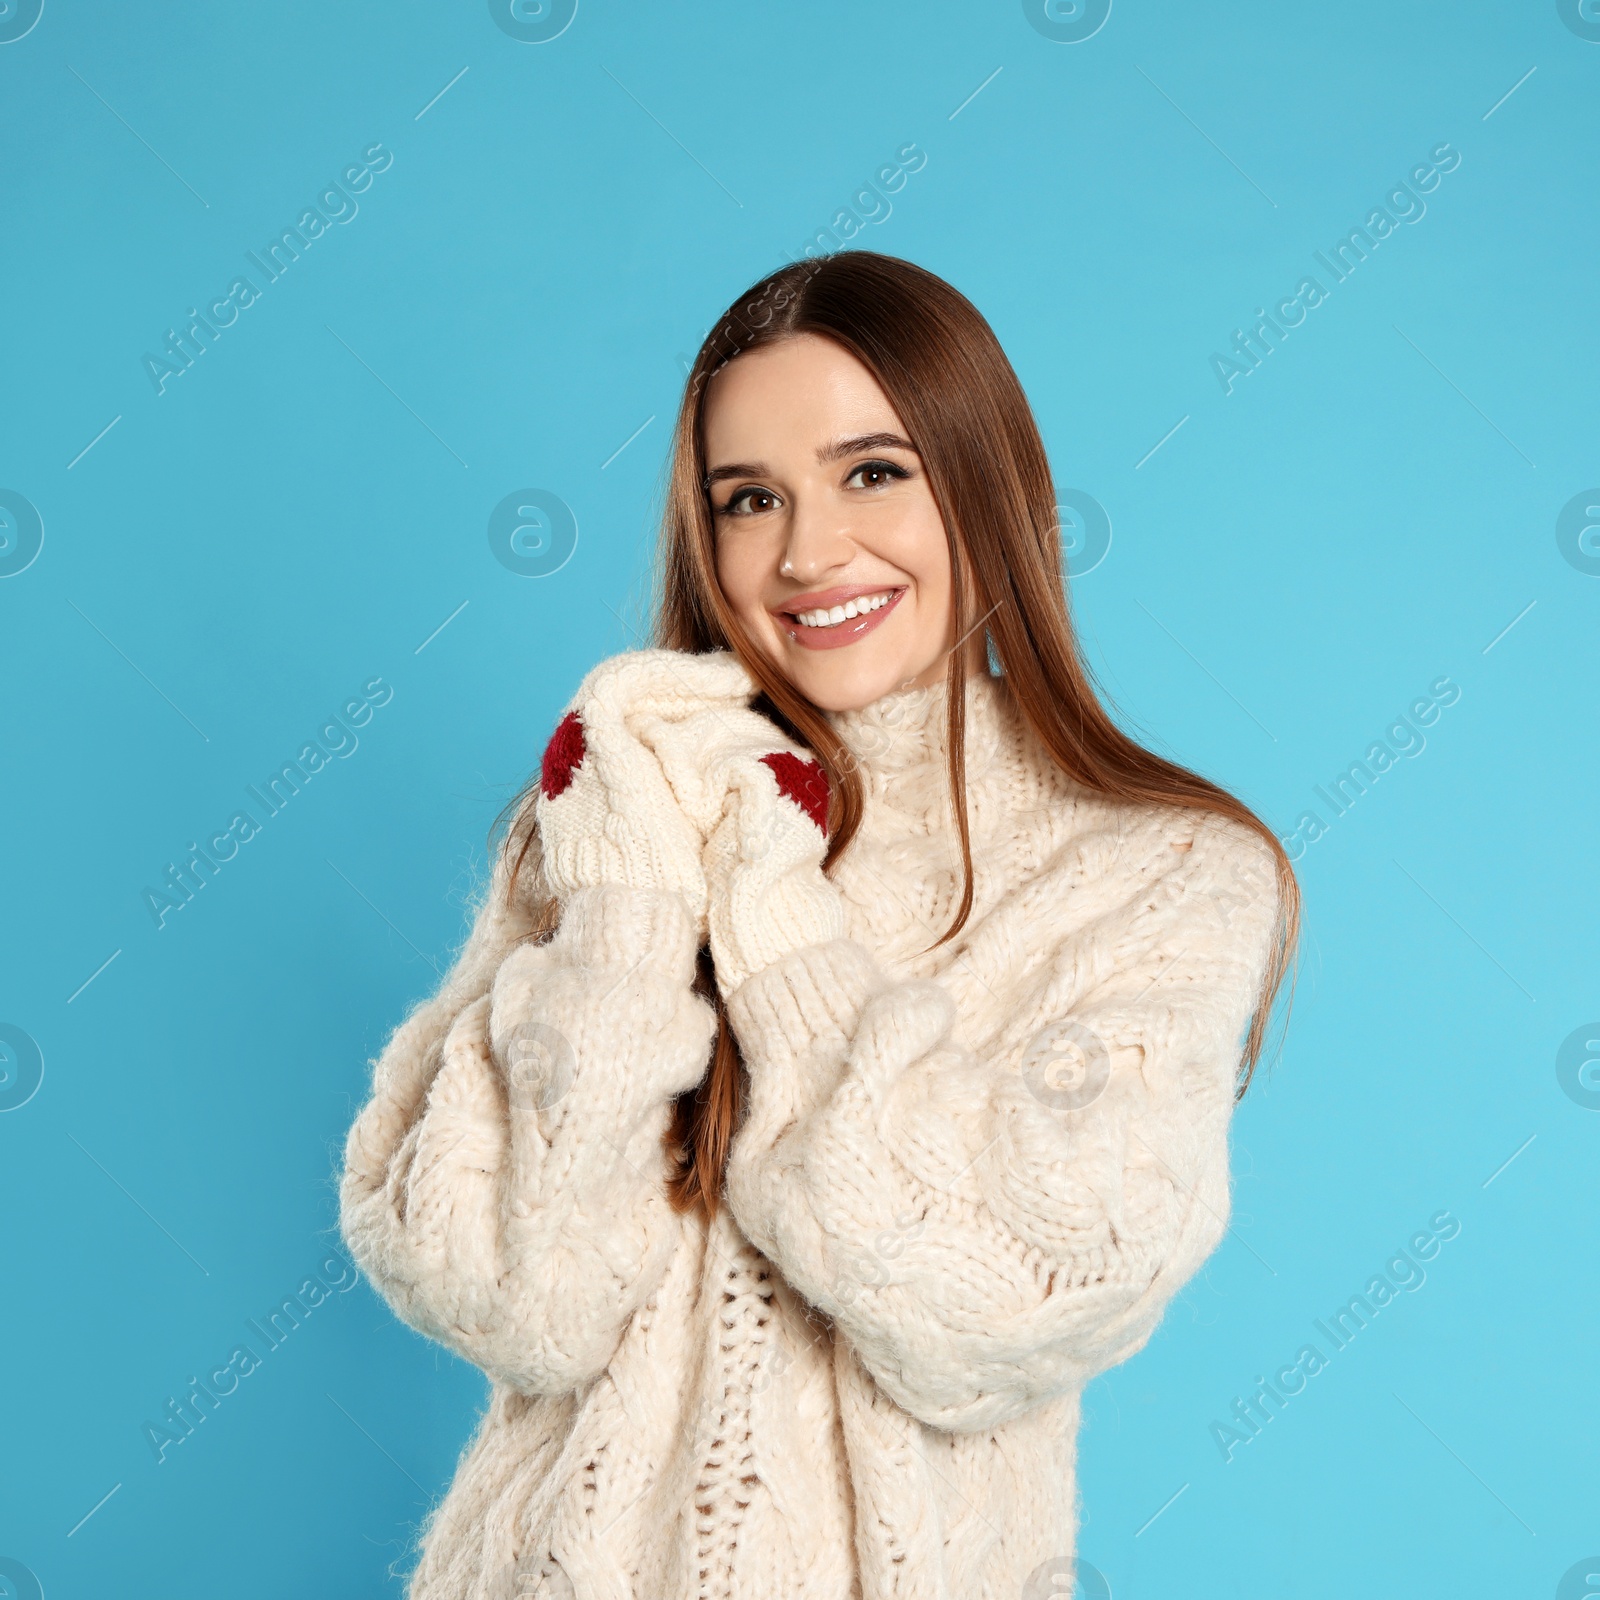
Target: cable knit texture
968 1179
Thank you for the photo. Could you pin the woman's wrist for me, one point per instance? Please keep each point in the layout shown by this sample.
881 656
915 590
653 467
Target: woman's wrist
754 924
613 926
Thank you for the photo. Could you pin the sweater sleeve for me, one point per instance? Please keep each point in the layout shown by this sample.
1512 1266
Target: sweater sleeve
991 1223
504 1185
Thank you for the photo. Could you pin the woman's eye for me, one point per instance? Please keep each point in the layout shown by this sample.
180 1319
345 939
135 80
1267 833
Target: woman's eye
877 474
749 502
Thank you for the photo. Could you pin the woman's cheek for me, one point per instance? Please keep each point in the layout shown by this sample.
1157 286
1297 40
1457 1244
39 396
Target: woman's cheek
732 576
742 577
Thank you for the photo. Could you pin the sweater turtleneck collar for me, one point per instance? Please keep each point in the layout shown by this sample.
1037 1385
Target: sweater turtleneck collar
905 732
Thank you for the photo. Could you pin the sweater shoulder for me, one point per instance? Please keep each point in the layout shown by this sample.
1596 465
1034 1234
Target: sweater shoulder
1196 874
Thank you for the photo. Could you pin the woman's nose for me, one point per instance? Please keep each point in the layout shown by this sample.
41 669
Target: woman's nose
818 544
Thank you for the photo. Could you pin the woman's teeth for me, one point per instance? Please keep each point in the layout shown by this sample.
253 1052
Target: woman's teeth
834 615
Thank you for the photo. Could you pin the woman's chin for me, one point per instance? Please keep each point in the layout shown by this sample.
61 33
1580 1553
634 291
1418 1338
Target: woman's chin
832 682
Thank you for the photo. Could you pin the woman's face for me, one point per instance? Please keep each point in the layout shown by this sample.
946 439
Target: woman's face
829 546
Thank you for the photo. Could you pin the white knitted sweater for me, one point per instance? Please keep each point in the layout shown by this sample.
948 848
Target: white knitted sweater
969 1179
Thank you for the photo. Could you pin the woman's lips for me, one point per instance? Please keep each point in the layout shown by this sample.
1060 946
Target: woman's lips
841 633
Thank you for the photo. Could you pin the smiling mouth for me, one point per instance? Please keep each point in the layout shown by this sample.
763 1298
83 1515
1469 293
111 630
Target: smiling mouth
848 618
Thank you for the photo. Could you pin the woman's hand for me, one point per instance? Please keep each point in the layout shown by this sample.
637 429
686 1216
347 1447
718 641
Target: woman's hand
607 814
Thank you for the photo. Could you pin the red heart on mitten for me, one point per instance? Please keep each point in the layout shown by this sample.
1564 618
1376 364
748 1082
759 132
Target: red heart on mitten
562 756
802 781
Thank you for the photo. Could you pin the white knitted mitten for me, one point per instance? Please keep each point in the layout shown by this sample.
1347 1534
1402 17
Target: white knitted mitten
763 861
607 814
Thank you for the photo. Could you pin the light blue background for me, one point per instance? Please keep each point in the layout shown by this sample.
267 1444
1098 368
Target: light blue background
303 509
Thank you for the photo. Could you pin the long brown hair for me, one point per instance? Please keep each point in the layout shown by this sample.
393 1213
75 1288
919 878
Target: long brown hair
946 376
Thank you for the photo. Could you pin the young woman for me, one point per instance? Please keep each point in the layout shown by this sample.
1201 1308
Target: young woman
837 1075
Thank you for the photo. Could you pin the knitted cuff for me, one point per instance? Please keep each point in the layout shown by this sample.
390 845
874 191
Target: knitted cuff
617 928
796 1019
600 1021
588 845
754 924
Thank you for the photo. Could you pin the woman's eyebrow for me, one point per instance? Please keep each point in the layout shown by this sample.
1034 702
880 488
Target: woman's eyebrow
830 452
864 441
735 469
